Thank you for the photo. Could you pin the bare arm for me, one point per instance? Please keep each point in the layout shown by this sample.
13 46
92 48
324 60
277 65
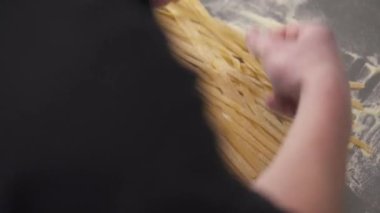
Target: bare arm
308 173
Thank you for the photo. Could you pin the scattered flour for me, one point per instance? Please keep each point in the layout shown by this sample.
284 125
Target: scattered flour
363 172
269 13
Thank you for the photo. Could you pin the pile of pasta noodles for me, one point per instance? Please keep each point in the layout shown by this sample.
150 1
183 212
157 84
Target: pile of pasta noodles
232 83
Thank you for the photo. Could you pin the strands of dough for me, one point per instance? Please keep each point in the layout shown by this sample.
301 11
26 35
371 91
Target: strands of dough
232 83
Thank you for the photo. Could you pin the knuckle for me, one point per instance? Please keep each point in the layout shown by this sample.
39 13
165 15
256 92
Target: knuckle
321 31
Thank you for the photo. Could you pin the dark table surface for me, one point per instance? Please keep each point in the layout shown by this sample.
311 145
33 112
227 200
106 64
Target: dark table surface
356 24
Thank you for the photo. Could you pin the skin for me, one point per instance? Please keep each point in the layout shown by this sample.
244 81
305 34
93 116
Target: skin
310 84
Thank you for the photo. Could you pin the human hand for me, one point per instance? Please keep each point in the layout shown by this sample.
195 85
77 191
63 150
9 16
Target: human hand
298 58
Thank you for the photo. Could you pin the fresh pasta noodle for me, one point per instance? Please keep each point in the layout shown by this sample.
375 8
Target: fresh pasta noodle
356 104
357 85
232 83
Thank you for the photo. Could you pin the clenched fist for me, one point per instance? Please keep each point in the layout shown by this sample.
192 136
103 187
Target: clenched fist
296 58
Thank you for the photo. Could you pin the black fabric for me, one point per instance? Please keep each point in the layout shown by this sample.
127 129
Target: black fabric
95 116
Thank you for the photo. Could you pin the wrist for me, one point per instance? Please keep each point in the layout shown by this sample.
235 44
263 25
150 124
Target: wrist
327 97
328 84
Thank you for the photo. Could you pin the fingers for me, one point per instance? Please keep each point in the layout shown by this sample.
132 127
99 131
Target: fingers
253 39
281 32
289 32
292 31
271 47
260 42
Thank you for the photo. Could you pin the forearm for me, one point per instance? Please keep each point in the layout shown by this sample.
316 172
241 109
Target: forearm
308 173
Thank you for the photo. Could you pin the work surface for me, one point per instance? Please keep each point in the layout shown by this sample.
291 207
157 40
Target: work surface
357 26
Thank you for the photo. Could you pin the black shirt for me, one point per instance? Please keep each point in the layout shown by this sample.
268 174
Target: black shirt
95 116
